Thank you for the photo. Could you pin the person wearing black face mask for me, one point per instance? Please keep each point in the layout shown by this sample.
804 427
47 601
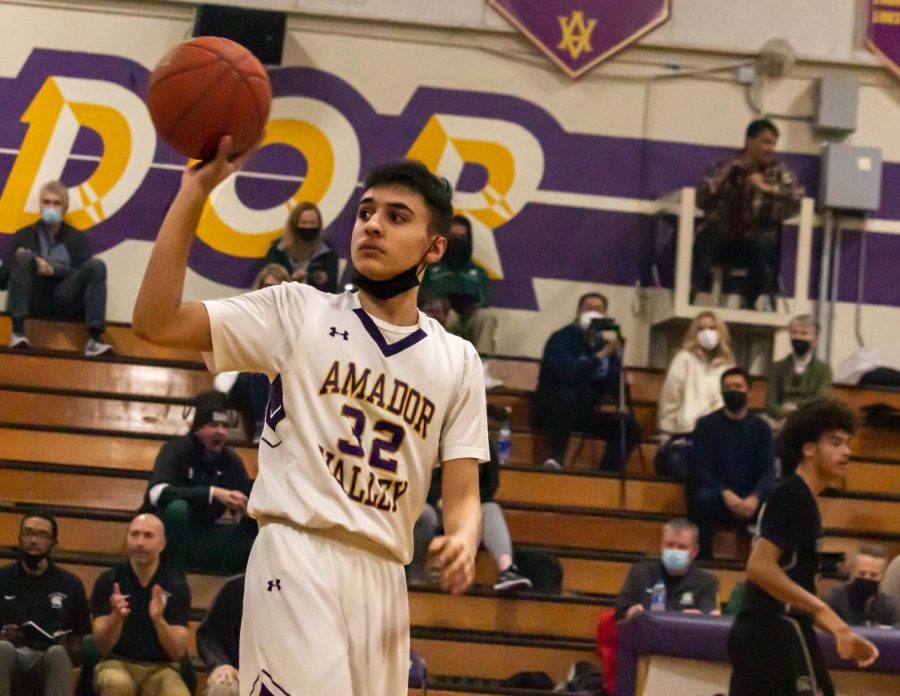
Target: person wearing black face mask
801 376
466 285
858 602
44 615
732 466
304 251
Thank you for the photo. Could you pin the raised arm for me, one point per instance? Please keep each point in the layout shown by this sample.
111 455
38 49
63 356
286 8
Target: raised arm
159 314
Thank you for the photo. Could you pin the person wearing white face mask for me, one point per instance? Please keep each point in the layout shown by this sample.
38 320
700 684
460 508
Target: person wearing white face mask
50 272
691 388
581 369
687 588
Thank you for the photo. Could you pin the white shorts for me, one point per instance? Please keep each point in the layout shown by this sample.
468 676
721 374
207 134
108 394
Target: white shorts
325 614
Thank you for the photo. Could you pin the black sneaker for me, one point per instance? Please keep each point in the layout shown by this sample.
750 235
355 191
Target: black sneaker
512 579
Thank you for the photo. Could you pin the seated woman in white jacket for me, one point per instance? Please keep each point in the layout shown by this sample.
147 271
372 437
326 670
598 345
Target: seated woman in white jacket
691 389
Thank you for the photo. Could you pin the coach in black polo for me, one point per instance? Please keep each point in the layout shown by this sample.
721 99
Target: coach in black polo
140 619
36 590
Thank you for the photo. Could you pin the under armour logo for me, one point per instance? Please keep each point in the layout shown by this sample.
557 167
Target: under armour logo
335 332
275 584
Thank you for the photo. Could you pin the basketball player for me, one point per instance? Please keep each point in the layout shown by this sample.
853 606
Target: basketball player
367 396
773 647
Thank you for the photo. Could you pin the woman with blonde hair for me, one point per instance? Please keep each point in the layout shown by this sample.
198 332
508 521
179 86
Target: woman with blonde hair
692 388
303 250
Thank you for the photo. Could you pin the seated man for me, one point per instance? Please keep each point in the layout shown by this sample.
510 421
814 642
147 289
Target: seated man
579 371
141 612
746 199
801 376
467 287
688 588
859 602
218 639
732 465
50 273
44 615
199 488
495 533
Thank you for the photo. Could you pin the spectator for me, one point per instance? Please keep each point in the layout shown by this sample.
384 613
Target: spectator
580 369
303 250
50 273
688 588
44 615
801 376
495 533
732 462
249 391
141 611
859 601
691 389
199 488
466 286
218 639
746 199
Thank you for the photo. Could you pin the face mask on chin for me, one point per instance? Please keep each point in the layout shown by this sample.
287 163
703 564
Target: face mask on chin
390 287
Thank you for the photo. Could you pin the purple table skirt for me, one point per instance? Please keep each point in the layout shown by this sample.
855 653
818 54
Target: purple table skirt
705 637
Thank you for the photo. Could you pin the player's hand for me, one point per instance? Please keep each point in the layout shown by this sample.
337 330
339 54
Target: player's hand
634 610
223 674
119 603
157 604
13 634
456 561
235 501
44 267
210 173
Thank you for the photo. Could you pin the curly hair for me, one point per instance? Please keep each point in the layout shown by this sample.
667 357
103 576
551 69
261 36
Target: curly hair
807 424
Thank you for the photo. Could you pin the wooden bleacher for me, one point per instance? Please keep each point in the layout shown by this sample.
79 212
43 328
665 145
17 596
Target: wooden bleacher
80 436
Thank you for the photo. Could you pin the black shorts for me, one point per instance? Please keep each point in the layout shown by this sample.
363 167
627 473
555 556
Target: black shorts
776 655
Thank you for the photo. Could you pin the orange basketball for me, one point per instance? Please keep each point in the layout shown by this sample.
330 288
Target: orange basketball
206 88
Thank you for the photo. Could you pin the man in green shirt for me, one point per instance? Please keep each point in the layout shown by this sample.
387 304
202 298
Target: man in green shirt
466 286
801 376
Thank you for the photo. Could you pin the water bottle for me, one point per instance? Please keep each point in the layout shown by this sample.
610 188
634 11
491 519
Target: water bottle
504 441
658 598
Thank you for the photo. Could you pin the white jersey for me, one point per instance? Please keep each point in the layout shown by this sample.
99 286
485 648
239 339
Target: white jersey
359 412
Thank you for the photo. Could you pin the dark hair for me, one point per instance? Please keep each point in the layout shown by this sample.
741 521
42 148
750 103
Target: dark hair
599 296
415 176
680 524
732 371
760 126
807 424
43 514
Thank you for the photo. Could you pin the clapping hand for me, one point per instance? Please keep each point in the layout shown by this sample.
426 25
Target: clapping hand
119 603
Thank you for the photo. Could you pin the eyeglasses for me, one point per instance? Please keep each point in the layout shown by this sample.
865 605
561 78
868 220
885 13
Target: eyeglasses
36 534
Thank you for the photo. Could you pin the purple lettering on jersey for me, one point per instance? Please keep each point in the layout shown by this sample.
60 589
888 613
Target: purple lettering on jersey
264 685
275 407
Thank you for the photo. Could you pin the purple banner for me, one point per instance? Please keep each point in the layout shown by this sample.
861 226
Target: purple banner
579 34
884 32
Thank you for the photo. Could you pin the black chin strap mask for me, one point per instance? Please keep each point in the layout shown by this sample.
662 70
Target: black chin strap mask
390 287
31 560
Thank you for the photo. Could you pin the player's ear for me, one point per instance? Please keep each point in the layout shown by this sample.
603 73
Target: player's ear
436 249
809 450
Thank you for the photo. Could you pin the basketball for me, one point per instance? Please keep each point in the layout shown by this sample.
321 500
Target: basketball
204 89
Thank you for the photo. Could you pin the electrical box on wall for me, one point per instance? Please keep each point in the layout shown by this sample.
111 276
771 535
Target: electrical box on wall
837 98
850 178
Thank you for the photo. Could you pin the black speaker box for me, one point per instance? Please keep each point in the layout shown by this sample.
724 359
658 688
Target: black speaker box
259 31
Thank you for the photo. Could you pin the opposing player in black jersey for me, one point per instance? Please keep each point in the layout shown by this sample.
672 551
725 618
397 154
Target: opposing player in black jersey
773 646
